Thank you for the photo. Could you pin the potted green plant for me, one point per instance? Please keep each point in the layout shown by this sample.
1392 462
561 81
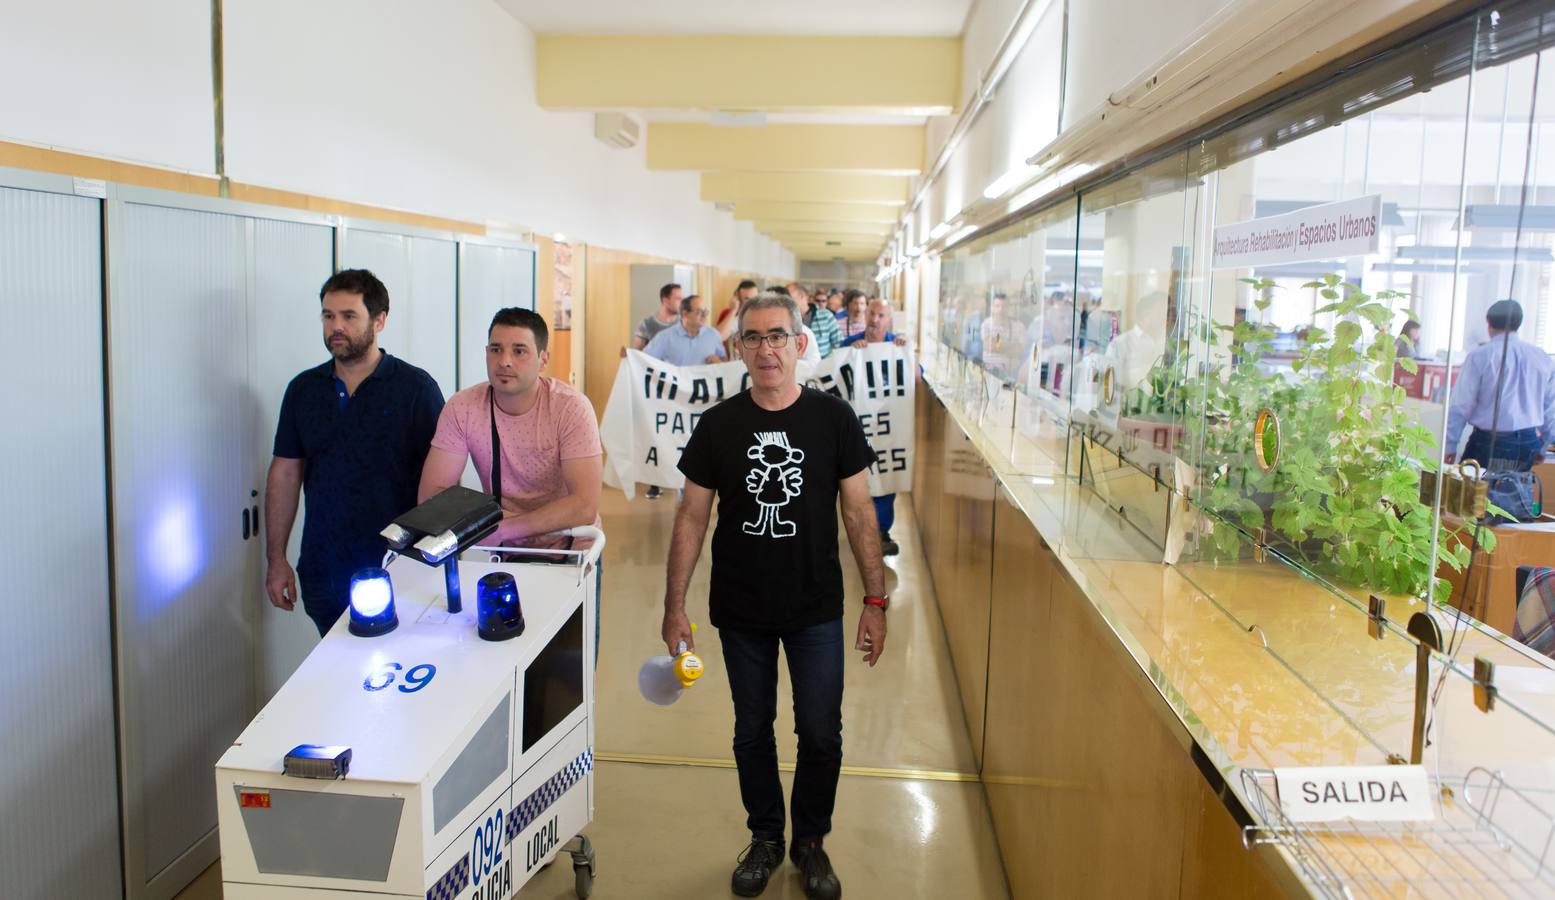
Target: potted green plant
1342 497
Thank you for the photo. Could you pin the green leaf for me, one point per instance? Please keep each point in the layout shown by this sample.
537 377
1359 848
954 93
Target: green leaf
1408 365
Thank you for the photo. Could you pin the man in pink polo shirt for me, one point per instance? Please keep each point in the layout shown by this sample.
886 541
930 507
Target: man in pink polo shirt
551 459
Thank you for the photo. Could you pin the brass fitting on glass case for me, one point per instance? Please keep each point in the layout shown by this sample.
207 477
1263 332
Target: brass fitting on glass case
1266 439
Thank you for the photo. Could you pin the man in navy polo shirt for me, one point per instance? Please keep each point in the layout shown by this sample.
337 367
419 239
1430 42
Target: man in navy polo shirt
354 433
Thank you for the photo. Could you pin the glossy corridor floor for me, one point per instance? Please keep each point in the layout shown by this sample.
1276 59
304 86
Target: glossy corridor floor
911 820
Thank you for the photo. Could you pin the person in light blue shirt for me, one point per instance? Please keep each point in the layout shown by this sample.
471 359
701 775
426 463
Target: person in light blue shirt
1506 391
688 342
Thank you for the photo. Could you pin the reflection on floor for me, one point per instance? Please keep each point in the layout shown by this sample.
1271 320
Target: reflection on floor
911 820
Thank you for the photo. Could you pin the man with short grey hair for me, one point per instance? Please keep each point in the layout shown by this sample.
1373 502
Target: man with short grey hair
778 456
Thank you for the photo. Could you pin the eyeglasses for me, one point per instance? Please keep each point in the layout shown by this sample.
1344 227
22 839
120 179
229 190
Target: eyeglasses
777 340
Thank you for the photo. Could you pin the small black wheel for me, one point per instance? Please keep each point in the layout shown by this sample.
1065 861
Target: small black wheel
584 881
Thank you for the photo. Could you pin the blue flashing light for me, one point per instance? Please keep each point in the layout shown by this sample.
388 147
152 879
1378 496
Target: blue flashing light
372 603
499 615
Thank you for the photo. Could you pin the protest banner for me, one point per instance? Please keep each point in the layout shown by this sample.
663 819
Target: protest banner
654 407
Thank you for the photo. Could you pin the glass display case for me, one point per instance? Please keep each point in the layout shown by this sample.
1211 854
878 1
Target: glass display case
1239 388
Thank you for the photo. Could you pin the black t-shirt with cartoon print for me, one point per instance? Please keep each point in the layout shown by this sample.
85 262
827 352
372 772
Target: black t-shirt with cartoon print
775 548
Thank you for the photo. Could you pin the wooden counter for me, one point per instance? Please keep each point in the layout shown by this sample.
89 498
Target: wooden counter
1121 697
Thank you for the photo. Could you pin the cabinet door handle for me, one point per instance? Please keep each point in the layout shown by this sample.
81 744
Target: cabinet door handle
245 523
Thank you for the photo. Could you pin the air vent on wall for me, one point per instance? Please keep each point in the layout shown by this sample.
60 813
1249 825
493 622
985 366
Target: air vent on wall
617 129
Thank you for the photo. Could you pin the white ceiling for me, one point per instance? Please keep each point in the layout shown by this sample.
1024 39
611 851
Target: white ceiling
886 18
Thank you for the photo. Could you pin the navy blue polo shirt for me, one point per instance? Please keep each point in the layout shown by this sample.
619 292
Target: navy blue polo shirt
362 460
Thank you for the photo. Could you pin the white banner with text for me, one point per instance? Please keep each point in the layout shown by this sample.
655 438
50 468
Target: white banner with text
1323 232
654 407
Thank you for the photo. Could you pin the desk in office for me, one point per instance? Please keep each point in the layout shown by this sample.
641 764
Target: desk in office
1490 592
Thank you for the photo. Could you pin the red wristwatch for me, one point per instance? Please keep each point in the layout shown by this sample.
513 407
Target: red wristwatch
883 602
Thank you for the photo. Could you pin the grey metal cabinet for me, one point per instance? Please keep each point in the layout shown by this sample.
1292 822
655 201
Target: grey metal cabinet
420 273
290 262
183 490
491 277
59 835
138 641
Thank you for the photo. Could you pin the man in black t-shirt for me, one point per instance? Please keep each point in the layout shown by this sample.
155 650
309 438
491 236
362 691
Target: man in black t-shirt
778 456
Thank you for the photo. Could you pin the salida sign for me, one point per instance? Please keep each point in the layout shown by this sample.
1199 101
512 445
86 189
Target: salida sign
1360 793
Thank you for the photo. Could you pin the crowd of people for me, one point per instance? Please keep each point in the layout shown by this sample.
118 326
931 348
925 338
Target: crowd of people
368 436
828 317
679 334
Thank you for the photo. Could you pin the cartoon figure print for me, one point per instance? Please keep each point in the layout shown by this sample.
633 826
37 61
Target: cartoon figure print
775 480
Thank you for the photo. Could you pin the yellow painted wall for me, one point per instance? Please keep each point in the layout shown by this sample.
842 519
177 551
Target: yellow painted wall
900 74
883 149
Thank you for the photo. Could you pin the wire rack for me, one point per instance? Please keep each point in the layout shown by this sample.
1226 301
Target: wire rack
1489 840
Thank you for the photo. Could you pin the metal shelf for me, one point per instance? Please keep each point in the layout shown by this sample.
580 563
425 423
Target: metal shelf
1489 840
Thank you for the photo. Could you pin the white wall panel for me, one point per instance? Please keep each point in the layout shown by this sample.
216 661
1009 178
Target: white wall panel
59 778
127 80
291 261
183 472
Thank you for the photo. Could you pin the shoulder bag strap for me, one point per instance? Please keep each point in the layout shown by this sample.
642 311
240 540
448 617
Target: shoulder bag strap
496 446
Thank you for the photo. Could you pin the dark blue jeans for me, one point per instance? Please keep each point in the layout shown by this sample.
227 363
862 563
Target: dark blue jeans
324 600
815 657
885 511
1515 451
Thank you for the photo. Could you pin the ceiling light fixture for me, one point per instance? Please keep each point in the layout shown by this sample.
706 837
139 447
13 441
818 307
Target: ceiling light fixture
738 118
1018 175
960 234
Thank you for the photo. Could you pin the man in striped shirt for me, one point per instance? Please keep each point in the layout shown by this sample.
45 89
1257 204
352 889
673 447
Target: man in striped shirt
827 334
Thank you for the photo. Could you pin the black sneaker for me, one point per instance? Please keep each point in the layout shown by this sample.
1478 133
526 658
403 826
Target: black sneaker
755 866
655 492
888 547
820 882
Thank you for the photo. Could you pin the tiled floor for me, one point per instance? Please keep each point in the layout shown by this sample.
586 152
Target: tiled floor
674 830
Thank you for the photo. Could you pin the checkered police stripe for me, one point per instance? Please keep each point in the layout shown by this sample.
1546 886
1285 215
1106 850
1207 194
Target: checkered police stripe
525 813
456 880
